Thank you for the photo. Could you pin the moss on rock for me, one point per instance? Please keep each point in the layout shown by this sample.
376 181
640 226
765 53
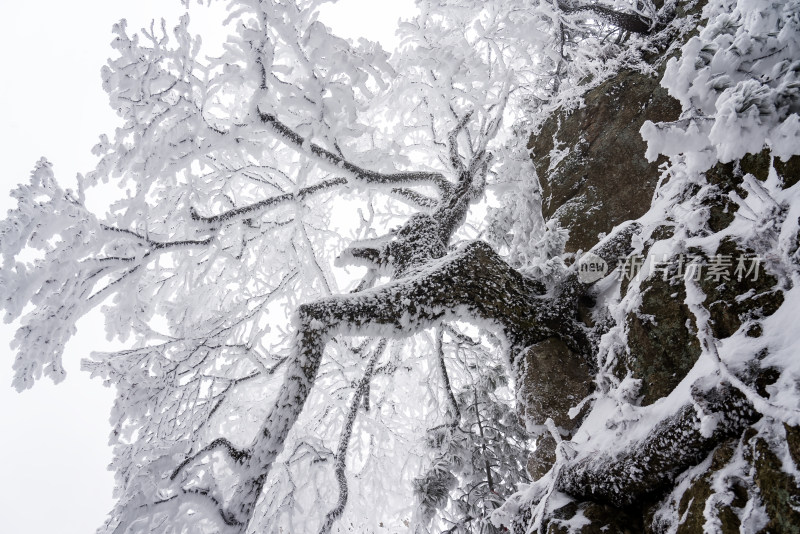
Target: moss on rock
554 380
662 339
736 296
597 519
542 459
779 490
789 171
793 443
693 502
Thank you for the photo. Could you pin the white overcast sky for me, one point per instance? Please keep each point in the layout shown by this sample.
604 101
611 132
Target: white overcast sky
53 444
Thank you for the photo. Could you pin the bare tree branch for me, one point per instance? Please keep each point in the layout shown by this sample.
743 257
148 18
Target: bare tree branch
294 139
238 455
268 202
344 439
416 199
455 413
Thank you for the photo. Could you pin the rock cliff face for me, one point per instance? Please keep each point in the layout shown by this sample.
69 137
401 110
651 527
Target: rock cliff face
591 162
656 344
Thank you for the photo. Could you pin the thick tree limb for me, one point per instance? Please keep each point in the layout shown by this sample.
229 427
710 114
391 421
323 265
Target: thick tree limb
454 412
151 244
632 22
473 281
452 142
295 140
675 444
367 256
430 286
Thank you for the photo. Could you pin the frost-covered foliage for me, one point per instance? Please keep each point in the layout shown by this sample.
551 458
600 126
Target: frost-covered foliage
480 451
259 390
738 84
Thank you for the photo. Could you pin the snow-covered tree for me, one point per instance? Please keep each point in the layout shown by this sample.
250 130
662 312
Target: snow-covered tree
481 448
290 249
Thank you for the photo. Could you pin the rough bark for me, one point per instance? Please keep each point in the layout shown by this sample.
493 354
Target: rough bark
631 22
676 443
472 281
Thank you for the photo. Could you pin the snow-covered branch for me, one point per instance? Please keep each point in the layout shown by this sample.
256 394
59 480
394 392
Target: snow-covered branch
337 162
676 443
632 22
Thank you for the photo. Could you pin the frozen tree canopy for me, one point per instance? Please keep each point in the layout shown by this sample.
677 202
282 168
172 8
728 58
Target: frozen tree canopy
328 263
